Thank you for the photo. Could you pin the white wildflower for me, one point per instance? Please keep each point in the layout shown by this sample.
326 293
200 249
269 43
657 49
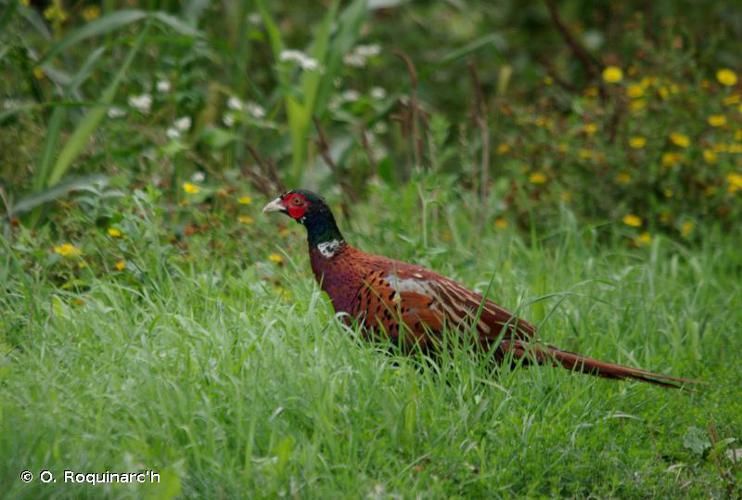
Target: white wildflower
255 110
172 133
291 55
198 176
234 103
357 58
378 93
254 18
368 50
115 112
304 61
183 123
309 64
143 103
350 95
228 119
163 86
354 60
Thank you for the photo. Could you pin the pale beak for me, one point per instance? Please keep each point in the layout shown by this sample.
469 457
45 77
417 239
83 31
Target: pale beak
274 206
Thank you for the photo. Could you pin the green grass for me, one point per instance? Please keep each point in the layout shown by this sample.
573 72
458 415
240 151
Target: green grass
229 375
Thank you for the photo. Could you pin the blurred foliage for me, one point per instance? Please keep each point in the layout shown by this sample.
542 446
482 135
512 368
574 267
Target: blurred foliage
622 111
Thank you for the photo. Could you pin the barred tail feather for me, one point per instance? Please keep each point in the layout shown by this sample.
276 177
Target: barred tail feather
547 355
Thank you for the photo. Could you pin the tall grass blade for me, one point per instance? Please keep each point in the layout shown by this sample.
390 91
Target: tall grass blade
79 138
56 192
54 128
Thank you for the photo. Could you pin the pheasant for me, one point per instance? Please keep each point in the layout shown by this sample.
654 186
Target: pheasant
413 305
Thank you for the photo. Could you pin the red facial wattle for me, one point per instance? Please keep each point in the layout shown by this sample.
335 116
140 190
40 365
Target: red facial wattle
296 205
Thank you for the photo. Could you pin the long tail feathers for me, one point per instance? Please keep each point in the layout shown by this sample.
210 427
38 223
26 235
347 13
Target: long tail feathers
547 355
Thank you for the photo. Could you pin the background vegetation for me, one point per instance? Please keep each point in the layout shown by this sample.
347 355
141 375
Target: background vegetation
585 154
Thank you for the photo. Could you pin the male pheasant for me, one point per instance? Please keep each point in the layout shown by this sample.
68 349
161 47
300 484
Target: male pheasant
414 305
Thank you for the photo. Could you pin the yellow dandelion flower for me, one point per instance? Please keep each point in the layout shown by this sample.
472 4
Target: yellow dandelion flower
114 232
731 100
275 258
191 188
637 105
623 178
503 148
735 148
632 220
38 73
245 219
671 159
635 91
501 223
55 13
120 265
735 182
590 128
680 140
717 120
67 250
727 77
637 142
709 156
244 200
612 74
664 93
91 13
537 178
738 134
686 228
643 239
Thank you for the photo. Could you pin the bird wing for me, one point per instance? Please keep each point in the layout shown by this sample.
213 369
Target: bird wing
425 302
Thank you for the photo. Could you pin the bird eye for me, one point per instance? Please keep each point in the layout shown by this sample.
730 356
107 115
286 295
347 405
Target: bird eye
296 201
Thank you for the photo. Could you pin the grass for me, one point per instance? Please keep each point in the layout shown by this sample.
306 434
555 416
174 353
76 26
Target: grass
228 374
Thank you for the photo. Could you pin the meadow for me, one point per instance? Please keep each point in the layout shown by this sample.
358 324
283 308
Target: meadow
152 318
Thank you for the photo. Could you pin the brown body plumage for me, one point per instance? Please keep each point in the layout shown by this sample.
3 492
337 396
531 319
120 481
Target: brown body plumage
414 305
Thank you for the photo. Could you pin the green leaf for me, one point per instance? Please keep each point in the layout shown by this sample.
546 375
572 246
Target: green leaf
349 27
176 24
274 35
54 128
494 39
102 26
696 440
80 136
56 192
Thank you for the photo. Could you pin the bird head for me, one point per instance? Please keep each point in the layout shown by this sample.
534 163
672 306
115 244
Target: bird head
309 209
299 204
